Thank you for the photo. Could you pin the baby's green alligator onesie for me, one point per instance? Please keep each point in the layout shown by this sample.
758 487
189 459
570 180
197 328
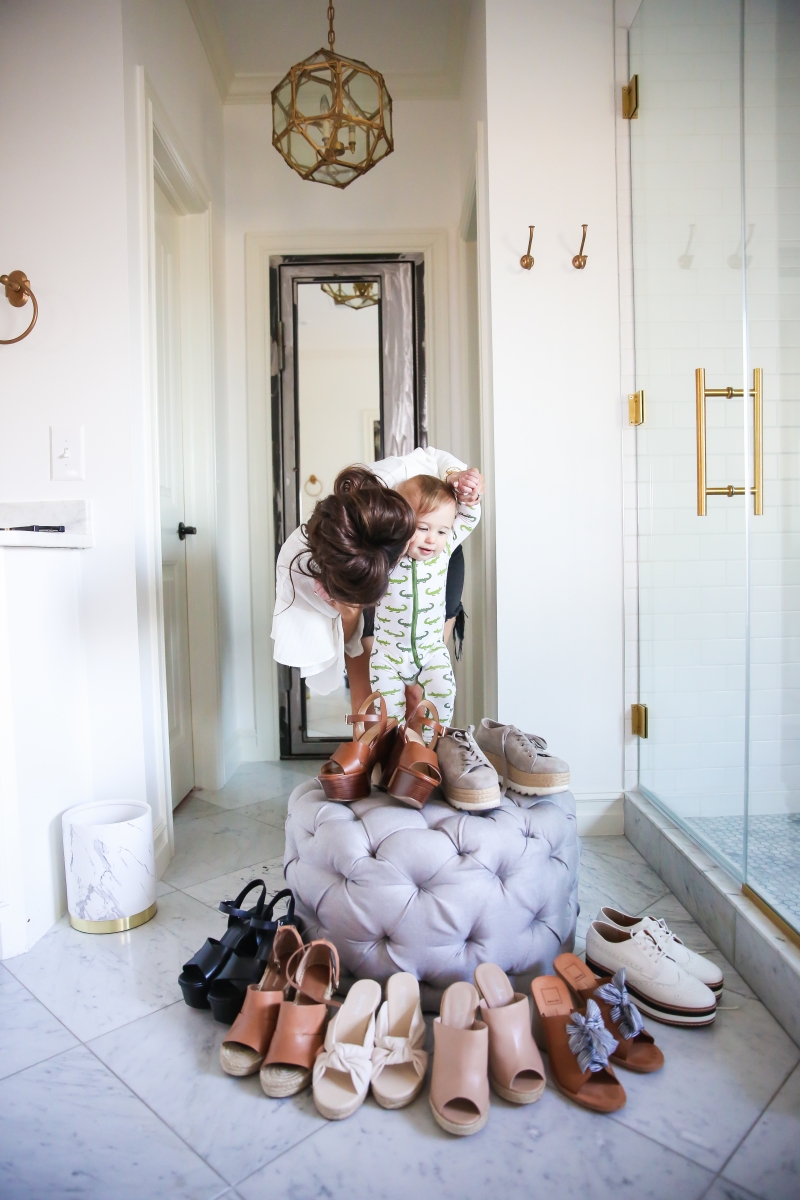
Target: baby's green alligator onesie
409 628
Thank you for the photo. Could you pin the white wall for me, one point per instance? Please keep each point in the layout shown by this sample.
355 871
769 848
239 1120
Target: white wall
417 187
70 681
556 381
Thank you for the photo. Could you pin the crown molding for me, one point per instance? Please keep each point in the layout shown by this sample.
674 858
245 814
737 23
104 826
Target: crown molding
243 88
214 44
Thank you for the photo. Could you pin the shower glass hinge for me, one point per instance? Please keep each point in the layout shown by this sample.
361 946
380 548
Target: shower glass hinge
639 720
636 408
630 99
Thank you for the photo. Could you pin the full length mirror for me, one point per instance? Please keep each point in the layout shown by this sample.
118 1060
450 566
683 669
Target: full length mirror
339 419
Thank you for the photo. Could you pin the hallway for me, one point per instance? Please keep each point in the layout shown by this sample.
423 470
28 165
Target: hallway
111 1086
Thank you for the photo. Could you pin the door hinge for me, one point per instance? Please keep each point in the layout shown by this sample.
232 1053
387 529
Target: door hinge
636 408
630 99
639 720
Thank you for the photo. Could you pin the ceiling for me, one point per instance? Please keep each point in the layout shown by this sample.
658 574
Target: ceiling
418 45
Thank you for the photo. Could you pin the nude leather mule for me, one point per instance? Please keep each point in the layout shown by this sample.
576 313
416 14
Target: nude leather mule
516 1070
459 1096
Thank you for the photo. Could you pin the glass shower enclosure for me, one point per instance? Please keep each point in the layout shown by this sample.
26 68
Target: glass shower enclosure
715 169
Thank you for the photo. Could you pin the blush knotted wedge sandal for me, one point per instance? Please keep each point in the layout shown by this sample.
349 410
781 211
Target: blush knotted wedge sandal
246 1043
636 1048
459 1096
516 1070
399 1061
347 775
343 1068
412 771
578 1046
313 972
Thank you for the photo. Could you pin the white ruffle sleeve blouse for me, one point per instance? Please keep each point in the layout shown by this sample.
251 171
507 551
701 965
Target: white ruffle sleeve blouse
306 631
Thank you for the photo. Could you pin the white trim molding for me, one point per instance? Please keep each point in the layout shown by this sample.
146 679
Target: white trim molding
259 247
600 814
162 158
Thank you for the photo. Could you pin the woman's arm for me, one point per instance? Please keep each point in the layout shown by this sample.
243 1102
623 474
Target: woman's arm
428 461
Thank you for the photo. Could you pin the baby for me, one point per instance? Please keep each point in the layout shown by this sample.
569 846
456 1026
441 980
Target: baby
409 620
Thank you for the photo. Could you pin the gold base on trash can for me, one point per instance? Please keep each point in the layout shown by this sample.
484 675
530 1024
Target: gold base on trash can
118 926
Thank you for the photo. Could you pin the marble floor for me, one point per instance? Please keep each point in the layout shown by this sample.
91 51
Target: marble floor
110 1087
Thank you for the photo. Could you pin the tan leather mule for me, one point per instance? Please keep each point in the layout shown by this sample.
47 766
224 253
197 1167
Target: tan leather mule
516 1070
313 972
459 1096
246 1043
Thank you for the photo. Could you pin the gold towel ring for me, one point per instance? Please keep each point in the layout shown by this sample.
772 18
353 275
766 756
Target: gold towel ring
18 288
312 479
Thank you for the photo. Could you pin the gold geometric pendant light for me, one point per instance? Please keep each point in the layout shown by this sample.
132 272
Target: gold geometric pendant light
332 117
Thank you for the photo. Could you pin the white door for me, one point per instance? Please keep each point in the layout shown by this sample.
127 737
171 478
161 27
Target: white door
170 458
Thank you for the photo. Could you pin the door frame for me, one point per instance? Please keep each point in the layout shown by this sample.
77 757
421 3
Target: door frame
262 741
396 321
161 157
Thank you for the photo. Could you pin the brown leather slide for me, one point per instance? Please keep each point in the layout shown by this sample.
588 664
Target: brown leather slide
313 971
459 1096
243 1050
636 1048
577 1047
516 1071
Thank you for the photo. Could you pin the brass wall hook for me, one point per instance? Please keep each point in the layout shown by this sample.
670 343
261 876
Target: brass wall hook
526 262
579 261
18 288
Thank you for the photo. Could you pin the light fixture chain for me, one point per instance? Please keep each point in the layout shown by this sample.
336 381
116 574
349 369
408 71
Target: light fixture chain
331 34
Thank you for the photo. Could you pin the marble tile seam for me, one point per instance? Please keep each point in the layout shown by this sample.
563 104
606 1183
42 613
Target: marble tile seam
721 1173
226 1184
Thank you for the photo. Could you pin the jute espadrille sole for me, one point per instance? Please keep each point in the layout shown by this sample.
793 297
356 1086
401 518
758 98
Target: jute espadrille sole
539 784
459 1130
279 1082
239 1060
473 799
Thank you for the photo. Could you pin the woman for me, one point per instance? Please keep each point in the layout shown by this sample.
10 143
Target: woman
338 563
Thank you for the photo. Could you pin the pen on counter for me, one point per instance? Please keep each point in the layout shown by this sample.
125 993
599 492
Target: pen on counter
33 528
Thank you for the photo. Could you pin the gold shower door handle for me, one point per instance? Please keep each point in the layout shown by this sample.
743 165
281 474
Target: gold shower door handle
757 490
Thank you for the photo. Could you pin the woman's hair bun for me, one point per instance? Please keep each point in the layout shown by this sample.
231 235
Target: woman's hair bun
356 535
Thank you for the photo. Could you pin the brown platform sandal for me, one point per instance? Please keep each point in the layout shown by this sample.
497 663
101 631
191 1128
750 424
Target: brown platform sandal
516 1071
412 771
636 1048
313 971
347 774
578 1047
247 1041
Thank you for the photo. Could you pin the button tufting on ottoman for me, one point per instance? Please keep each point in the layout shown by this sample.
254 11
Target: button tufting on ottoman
435 892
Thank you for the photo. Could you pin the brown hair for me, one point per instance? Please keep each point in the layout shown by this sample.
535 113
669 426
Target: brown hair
426 493
356 536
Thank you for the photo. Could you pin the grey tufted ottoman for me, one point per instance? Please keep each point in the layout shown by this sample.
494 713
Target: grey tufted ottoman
438 891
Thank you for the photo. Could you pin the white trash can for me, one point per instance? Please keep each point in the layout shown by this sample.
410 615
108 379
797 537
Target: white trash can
110 865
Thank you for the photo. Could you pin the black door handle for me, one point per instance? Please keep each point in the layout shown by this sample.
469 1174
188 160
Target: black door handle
184 529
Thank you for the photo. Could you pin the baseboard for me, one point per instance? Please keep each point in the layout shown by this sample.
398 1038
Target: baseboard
241 746
600 814
162 848
765 957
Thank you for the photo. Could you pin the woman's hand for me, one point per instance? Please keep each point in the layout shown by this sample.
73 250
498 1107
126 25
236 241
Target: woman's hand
469 484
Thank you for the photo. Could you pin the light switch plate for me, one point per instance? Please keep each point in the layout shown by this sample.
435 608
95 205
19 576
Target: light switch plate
66 452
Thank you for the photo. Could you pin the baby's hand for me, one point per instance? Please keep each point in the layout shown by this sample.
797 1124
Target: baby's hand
469 485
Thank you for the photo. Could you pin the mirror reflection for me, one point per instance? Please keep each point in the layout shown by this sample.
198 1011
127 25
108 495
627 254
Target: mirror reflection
339 417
